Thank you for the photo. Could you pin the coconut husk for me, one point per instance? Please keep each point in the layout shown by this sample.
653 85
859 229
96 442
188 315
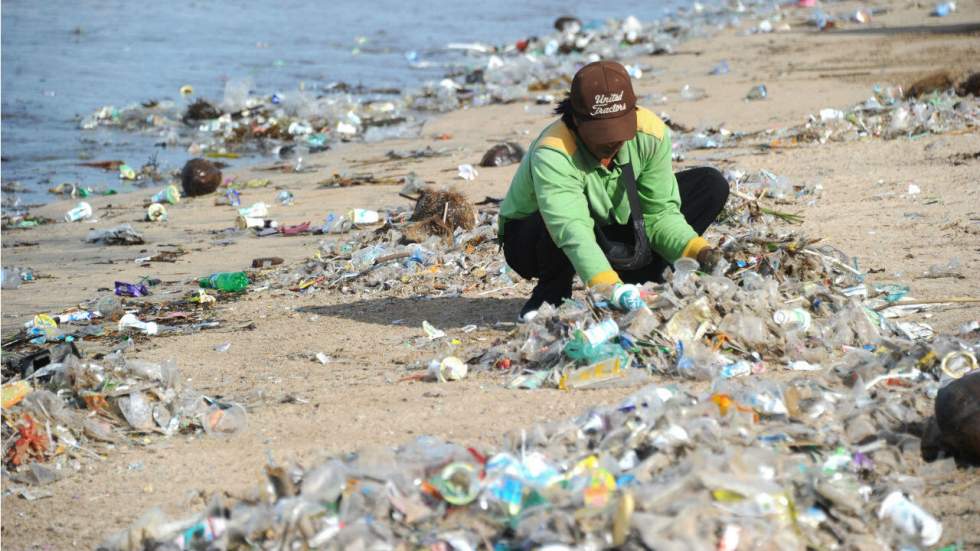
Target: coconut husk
200 177
450 207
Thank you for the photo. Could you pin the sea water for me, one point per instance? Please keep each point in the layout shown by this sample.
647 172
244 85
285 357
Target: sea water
62 60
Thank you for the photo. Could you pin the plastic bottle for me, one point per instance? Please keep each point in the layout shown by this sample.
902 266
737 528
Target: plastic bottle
419 255
246 222
628 297
364 258
10 279
910 518
757 92
205 531
169 194
608 369
943 9
156 213
592 344
459 483
81 211
692 93
257 210
130 321
450 368
285 197
336 224
793 318
109 307
69 317
599 333
230 282
363 216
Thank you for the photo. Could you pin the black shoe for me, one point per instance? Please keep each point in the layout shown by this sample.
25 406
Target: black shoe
530 309
553 292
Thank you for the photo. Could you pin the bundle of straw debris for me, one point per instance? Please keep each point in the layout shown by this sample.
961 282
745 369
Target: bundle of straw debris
439 213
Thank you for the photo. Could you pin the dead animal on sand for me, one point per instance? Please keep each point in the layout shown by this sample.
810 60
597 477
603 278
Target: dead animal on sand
200 177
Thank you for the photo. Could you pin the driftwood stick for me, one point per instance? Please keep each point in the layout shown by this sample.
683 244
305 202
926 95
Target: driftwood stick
951 300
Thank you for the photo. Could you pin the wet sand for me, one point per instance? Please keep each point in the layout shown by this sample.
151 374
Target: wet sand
356 401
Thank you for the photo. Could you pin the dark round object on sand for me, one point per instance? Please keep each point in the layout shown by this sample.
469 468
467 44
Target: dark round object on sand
970 86
955 429
502 155
567 23
200 177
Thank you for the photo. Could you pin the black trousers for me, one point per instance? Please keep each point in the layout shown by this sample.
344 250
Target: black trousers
530 251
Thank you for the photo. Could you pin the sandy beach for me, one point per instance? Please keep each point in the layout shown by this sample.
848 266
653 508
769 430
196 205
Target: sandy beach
302 410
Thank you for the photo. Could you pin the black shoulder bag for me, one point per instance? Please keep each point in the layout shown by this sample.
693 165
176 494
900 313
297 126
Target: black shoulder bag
627 256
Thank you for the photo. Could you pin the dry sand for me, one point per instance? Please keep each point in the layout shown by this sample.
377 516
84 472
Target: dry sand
356 401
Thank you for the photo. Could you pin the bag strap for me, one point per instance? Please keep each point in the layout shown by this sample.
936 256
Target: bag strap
633 195
642 253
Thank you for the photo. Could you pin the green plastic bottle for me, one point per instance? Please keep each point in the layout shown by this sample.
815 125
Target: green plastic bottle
230 282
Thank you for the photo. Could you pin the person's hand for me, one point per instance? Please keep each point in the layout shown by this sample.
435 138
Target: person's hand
627 297
708 258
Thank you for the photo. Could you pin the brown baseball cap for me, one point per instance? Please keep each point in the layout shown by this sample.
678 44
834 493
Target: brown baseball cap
603 102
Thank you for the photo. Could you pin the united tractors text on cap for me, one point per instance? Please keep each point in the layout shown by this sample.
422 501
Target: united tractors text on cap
604 103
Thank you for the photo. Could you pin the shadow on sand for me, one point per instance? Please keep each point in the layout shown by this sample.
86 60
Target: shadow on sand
447 312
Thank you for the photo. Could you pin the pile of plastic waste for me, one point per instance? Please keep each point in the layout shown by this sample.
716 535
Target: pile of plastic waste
71 409
407 256
789 398
816 461
888 114
782 303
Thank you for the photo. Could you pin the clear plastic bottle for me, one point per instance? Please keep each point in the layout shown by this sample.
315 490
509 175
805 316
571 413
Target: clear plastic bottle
364 258
757 92
10 279
910 518
336 224
793 318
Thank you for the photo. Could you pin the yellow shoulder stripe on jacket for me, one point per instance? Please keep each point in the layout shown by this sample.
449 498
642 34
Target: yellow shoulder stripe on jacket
560 138
648 123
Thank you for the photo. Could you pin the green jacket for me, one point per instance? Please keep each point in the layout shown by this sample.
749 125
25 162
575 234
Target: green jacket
562 180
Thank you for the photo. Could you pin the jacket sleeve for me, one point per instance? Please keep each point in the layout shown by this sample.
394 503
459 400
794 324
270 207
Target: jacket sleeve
565 211
670 235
